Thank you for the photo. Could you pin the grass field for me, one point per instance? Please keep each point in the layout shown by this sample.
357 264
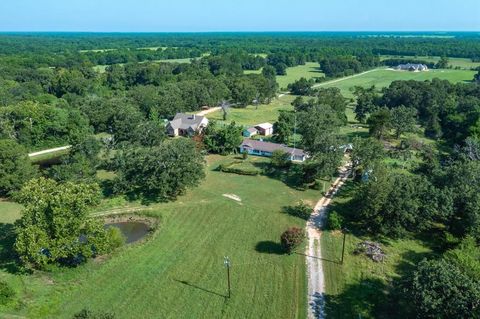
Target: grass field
9 211
308 71
382 78
454 62
249 115
361 288
179 273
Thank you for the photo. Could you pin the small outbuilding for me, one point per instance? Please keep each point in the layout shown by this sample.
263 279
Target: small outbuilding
249 132
264 129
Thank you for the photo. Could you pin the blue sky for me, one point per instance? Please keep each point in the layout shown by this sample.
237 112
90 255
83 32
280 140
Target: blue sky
239 15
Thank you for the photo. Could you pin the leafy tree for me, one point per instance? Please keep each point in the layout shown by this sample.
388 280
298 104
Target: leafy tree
280 159
476 77
222 139
334 221
440 289
301 210
442 63
380 123
55 226
403 119
291 239
301 87
281 69
366 153
15 167
284 126
159 173
333 98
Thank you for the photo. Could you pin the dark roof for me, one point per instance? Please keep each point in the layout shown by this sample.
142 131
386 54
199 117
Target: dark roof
185 121
270 147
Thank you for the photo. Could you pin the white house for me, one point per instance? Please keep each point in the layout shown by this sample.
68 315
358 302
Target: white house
186 124
265 129
412 67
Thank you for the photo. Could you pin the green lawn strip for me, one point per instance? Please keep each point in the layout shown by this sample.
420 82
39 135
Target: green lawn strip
454 62
382 78
309 70
179 273
361 287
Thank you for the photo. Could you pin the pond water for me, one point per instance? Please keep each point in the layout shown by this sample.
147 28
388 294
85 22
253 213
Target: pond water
133 231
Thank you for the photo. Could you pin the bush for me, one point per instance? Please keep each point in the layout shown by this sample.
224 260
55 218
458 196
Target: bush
301 210
235 168
291 239
280 159
115 237
6 293
88 314
244 155
334 221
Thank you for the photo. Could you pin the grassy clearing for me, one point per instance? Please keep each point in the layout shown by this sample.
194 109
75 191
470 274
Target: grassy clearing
362 287
454 62
249 115
9 211
179 273
382 78
309 70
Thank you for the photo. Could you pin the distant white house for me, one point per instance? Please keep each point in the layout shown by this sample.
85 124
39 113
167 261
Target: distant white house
264 129
261 148
412 67
186 124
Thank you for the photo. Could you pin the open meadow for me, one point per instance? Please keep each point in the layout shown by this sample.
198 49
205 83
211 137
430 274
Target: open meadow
179 272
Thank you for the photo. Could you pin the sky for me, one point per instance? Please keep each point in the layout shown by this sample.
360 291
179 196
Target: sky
239 15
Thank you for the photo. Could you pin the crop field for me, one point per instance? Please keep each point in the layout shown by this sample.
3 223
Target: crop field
308 71
360 287
179 272
383 77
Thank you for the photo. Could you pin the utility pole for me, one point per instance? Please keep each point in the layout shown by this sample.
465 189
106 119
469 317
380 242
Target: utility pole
226 262
343 247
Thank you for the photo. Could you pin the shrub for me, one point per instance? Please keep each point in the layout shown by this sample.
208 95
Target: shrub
235 168
244 155
280 159
88 314
6 293
334 221
116 237
291 239
301 210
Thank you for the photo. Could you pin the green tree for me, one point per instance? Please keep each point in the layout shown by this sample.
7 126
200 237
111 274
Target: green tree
222 139
301 87
403 119
442 63
283 127
55 226
15 167
440 289
366 102
280 159
366 153
159 173
380 123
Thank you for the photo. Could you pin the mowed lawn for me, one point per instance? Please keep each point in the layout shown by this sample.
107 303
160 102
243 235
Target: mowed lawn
179 273
309 70
250 115
9 211
454 62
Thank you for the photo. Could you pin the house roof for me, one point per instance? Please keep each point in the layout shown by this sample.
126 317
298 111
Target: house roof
270 147
412 65
185 121
264 126
251 130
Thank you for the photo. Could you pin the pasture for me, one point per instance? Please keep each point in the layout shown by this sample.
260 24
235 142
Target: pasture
179 272
454 62
383 77
309 70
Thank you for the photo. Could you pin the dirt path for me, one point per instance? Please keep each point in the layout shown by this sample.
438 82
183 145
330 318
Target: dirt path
345 78
51 150
210 110
316 282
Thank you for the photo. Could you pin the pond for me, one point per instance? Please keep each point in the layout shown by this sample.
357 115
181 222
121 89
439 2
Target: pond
132 230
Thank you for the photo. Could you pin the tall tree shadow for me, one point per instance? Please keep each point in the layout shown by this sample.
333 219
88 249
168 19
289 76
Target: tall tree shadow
186 283
8 258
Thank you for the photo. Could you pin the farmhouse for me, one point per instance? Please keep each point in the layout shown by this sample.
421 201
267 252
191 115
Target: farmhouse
265 129
186 124
262 148
412 67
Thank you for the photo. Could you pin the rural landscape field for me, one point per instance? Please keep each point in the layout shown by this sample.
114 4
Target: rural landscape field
210 161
